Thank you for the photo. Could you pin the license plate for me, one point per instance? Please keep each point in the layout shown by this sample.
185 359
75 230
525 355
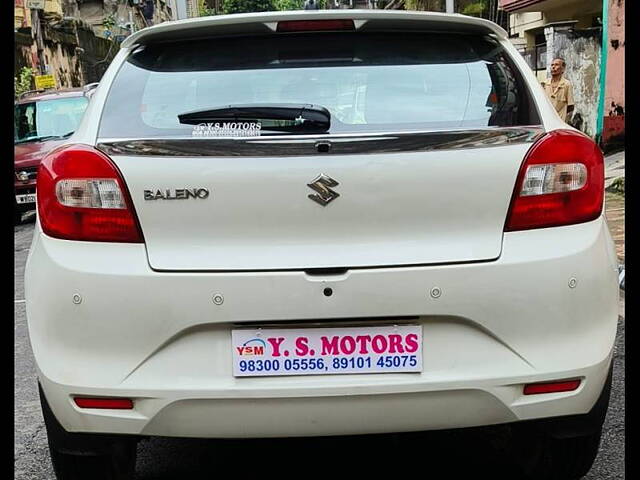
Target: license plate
26 198
326 351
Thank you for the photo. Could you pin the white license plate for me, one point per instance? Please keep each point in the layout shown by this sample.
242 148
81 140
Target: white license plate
26 198
326 351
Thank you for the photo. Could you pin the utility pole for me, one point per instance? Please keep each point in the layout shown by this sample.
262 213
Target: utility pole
131 23
449 7
36 29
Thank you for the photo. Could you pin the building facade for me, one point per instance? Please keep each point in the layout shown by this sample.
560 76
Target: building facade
186 9
577 31
192 8
614 101
75 40
529 18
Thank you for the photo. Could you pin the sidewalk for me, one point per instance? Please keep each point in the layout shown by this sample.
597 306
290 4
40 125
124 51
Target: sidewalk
614 201
614 168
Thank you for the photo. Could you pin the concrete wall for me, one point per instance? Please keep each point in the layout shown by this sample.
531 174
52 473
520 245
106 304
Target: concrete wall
95 11
25 52
614 100
63 64
73 57
97 53
581 50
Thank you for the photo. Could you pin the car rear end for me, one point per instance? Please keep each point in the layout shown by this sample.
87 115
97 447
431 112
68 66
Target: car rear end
435 258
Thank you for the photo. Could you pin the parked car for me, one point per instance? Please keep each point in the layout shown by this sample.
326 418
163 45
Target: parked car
43 120
332 223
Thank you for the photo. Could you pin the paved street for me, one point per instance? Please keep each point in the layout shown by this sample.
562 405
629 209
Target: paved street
449 455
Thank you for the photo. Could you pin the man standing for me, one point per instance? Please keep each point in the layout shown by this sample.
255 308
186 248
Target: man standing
559 90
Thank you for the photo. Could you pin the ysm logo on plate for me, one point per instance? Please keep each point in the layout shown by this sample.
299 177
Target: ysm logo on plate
255 346
176 194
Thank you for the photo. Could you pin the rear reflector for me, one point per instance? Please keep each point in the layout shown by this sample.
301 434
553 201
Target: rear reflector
551 387
105 403
315 25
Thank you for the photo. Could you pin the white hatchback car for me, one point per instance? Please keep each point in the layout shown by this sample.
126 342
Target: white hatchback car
321 223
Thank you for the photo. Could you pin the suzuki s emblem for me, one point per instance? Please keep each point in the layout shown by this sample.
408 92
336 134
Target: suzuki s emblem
321 185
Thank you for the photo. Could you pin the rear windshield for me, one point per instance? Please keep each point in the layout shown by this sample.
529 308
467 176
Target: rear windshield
47 118
382 82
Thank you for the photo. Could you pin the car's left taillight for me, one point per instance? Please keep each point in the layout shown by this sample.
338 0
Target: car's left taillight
561 182
82 196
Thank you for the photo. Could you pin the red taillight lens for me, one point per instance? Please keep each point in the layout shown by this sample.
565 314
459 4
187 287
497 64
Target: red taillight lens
110 403
81 196
551 387
315 25
561 182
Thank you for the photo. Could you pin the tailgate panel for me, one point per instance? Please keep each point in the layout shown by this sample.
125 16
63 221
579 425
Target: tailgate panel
393 209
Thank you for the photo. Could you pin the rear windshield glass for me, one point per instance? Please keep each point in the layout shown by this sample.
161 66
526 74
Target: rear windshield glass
47 118
368 82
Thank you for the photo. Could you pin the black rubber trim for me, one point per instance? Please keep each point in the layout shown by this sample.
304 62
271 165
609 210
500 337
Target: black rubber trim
578 425
305 145
89 444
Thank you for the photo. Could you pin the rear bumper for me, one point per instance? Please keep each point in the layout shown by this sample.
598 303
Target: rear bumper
159 338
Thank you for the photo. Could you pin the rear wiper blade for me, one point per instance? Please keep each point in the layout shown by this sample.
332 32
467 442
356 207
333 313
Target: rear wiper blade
42 138
286 117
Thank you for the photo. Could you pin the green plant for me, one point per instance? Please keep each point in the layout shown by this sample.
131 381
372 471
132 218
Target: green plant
109 21
204 10
296 4
247 6
288 4
23 82
466 7
475 9
426 5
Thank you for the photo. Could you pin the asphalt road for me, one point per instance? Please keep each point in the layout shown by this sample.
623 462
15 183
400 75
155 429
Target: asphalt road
478 453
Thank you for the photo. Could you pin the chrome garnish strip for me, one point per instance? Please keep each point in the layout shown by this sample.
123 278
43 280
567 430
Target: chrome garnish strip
346 144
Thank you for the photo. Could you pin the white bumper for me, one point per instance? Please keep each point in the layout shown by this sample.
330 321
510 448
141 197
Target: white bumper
160 339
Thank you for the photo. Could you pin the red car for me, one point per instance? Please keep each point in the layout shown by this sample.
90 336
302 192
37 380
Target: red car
42 121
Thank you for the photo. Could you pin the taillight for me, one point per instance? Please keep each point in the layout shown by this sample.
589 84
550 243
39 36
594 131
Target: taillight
82 196
315 25
561 182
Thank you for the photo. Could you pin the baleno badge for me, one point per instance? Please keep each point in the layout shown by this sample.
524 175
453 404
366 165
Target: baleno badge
177 194
321 185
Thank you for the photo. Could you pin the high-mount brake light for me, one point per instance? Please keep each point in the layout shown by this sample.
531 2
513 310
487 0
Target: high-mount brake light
315 25
82 196
560 182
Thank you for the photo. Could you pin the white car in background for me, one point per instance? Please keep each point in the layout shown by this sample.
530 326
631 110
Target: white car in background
321 223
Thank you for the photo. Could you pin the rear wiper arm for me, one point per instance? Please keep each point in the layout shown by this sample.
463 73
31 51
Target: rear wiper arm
286 117
42 138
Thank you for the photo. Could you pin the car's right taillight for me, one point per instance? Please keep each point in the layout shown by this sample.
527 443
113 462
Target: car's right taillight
82 196
561 182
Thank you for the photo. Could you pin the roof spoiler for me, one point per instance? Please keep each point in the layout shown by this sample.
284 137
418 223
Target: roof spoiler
266 22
